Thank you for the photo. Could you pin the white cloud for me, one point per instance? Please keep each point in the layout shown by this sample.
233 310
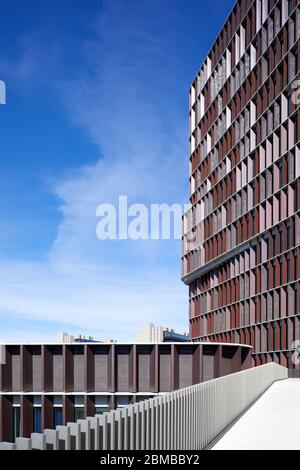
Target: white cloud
87 299
123 101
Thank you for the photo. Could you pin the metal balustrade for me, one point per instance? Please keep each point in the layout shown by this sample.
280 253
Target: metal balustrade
189 419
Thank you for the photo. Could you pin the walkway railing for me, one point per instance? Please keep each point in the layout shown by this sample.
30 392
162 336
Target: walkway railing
188 419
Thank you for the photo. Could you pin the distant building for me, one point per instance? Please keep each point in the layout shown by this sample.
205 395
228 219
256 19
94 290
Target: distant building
150 334
173 337
64 337
159 334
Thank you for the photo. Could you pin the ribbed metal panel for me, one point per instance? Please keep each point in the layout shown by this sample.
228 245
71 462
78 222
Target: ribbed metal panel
189 419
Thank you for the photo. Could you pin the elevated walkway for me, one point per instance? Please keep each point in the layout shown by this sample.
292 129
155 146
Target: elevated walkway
272 423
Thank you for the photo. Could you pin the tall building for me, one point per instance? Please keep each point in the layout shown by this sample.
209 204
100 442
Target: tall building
241 253
159 334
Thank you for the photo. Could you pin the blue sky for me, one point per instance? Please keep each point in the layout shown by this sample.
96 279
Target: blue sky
97 107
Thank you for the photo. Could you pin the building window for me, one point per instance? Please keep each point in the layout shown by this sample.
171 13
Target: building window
37 419
288 359
274 244
281 271
288 236
58 416
281 182
16 422
79 412
281 335
99 410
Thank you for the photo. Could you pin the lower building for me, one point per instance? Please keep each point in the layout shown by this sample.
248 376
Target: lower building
159 334
45 385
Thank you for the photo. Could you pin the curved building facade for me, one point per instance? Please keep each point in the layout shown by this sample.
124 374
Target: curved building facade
45 385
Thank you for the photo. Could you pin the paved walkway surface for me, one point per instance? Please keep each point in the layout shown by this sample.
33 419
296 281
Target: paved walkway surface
273 422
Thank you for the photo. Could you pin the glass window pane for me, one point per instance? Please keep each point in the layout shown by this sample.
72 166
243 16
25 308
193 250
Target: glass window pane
79 413
16 422
99 410
37 417
58 417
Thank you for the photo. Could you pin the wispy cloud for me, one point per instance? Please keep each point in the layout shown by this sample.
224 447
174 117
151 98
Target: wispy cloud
87 299
123 99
